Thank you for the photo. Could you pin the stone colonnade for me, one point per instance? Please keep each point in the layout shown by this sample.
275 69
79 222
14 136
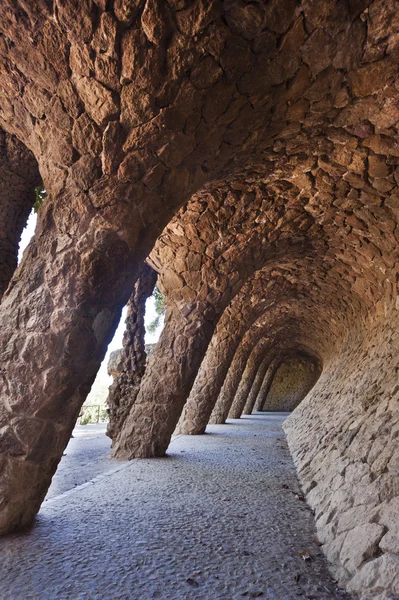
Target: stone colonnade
249 152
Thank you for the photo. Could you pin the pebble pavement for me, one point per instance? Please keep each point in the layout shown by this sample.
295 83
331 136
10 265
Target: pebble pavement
221 517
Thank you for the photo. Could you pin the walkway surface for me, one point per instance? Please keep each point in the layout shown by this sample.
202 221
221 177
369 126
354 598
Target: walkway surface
219 518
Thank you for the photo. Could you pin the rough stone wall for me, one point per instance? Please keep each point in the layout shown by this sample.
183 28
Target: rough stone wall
343 438
19 176
292 381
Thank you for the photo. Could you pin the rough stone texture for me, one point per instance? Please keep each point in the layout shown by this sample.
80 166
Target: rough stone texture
247 380
219 518
201 402
342 437
115 363
133 109
266 383
128 365
253 394
227 389
19 176
221 403
294 378
74 90
249 314
204 257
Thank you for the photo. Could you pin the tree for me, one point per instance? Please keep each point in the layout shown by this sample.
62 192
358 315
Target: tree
159 301
40 196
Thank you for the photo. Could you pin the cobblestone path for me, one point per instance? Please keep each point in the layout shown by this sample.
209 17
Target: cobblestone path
219 518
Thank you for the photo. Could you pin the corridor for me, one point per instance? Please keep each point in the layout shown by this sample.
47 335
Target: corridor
221 517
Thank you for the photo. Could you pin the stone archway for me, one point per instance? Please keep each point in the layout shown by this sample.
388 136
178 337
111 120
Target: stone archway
292 381
129 112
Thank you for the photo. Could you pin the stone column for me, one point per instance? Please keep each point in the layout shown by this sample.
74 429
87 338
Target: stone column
165 386
226 396
260 375
57 317
132 359
255 359
211 375
19 175
234 328
267 382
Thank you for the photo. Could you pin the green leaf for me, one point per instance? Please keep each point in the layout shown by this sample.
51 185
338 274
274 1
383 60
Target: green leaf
159 309
40 196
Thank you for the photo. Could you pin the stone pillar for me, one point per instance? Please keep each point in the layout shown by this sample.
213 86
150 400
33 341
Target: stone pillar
207 403
230 385
267 381
260 375
255 359
58 316
19 176
165 386
210 376
132 359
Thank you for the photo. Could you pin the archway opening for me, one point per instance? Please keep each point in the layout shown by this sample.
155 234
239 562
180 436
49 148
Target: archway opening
293 380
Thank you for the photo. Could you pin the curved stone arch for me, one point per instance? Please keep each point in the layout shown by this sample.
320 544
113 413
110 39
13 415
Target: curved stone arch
153 418
225 342
320 85
295 377
204 256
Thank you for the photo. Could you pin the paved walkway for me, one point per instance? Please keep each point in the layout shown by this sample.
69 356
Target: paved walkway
218 518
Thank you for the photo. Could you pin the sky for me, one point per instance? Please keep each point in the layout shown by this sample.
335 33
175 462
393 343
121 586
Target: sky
102 380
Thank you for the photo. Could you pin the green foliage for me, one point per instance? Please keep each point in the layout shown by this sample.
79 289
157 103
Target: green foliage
159 302
86 418
94 414
40 196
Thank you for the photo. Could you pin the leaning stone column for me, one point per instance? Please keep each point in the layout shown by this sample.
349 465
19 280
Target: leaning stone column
211 375
112 105
234 331
256 357
267 382
165 386
19 175
132 360
230 385
57 317
260 375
